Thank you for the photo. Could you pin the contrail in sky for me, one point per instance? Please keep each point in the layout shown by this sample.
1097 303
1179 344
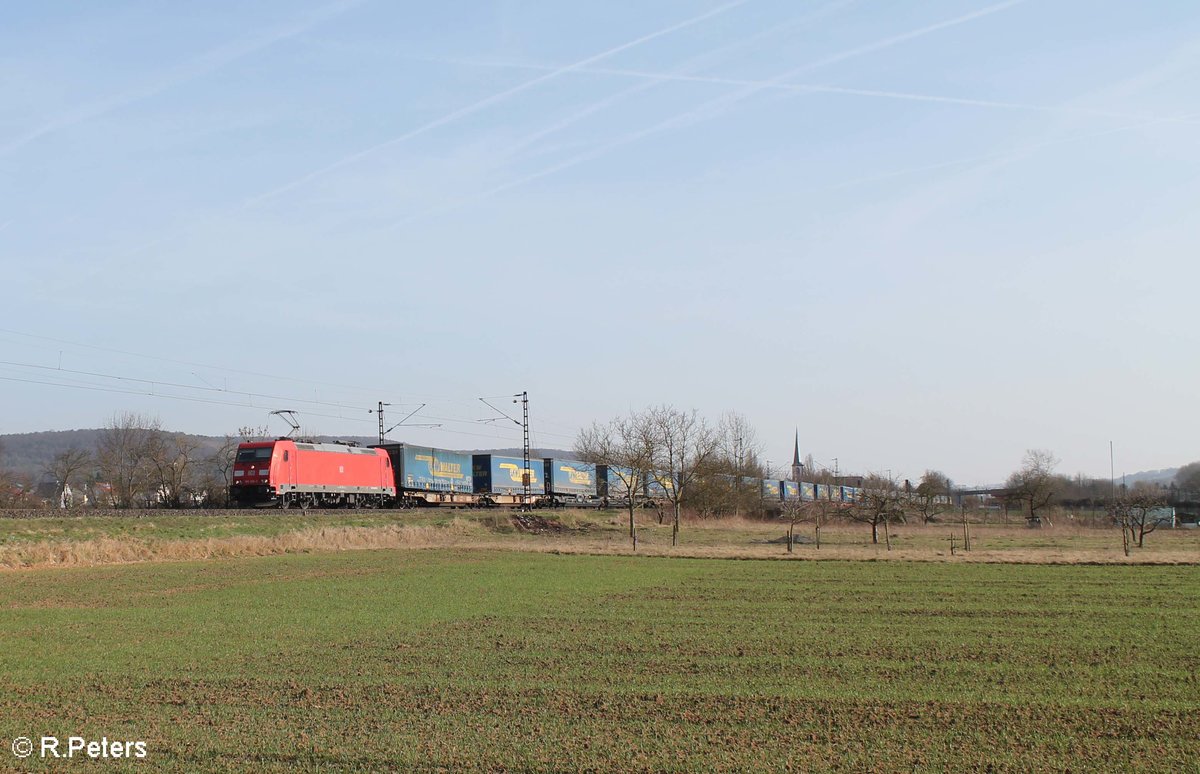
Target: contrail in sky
203 65
680 73
711 107
683 77
494 99
906 36
1012 154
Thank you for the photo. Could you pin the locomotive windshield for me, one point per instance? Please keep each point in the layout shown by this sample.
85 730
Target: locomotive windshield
250 455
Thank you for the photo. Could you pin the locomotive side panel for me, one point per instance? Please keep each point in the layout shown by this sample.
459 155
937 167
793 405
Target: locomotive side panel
333 468
286 472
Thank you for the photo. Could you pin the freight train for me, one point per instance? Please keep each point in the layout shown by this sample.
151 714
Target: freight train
288 473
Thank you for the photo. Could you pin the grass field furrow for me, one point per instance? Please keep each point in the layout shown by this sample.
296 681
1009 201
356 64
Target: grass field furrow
468 659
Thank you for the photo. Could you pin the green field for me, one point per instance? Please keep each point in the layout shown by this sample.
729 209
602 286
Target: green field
504 660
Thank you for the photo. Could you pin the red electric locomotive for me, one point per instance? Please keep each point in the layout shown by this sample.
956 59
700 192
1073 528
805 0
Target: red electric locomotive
290 473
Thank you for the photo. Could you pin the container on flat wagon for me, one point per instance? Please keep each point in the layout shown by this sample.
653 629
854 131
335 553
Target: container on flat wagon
498 474
573 478
771 490
424 468
616 482
791 490
659 485
808 490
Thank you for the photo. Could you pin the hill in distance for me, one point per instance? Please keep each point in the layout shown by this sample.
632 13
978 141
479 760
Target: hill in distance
28 454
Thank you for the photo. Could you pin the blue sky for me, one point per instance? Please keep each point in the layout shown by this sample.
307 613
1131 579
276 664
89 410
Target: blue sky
928 234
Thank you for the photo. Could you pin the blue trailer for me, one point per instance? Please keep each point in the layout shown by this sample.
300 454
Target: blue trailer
771 491
614 482
659 486
431 476
499 475
791 490
570 479
808 491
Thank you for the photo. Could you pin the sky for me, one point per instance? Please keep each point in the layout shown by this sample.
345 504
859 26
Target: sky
929 234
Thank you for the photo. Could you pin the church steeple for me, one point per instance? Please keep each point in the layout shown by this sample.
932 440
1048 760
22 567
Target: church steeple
797 466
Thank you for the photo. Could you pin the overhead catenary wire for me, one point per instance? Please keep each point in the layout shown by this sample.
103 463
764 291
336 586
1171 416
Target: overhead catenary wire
77 384
179 385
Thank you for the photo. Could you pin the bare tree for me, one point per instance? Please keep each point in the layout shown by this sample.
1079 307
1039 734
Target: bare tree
684 443
626 446
1035 484
66 467
932 495
794 512
879 503
220 463
249 433
16 491
738 444
1138 513
173 459
123 453
797 511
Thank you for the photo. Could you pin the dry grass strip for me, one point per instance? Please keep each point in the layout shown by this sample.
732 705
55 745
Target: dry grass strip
87 553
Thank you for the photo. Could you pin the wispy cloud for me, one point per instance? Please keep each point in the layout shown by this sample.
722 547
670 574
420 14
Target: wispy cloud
492 100
708 109
684 77
991 161
682 72
904 37
203 65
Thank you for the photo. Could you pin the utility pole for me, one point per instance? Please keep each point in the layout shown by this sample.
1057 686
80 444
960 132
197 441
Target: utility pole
379 411
524 396
523 399
383 432
737 476
1112 473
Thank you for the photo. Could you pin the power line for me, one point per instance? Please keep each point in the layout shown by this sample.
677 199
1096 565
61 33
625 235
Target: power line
152 394
178 385
188 363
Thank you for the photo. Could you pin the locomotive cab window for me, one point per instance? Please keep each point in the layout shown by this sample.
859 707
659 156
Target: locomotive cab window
252 455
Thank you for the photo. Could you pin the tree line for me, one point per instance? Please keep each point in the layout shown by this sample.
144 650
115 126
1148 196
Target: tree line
134 463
